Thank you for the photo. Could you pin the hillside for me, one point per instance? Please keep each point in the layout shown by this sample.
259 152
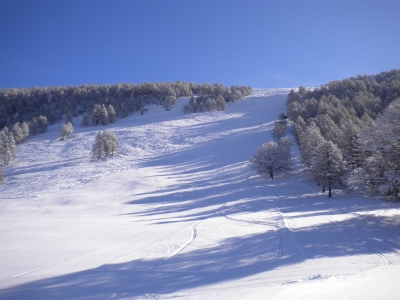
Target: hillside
179 214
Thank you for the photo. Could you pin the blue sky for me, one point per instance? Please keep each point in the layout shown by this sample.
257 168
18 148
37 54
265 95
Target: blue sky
256 43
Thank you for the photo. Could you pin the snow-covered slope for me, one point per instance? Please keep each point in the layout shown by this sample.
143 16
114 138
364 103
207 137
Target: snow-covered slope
179 214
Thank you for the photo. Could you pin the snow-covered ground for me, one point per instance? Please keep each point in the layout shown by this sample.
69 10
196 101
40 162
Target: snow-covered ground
179 214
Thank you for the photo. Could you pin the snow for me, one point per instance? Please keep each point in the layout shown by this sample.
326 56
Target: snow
179 214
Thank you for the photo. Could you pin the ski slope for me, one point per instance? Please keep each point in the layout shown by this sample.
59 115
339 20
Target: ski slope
179 214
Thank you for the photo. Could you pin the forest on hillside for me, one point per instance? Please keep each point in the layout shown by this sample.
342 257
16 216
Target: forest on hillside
349 132
64 103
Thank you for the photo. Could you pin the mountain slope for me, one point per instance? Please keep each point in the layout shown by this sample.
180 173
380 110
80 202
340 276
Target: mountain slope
178 213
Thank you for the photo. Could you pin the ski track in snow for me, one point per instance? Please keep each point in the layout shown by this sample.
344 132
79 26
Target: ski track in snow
178 214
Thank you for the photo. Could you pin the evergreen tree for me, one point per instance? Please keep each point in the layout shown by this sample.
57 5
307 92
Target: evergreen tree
96 115
328 167
169 102
65 131
379 172
112 115
85 120
310 140
193 104
33 126
17 133
98 147
25 131
220 103
42 124
279 130
104 115
8 150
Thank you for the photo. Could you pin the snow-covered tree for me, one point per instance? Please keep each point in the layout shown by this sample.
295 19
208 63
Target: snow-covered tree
328 166
25 131
111 144
105 143
98 147
279 130
112 115
96 115
271 158
17 133
298 128
285 142
33 126
65 131
42 124
379 173
104 115
168 102
193 104
282 118
220 103
208 105
8 150
85 120
310 140
350 143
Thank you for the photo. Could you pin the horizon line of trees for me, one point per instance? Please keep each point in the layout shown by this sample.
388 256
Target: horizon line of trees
65 103
344 136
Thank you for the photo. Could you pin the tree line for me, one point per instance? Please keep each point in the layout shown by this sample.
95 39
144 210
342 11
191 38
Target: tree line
63 103
348 134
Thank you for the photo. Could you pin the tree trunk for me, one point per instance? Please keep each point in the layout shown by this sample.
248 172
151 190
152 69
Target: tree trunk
323 188
330 192
271 174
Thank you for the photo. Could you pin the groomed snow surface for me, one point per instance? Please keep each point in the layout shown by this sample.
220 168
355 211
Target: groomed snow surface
179 214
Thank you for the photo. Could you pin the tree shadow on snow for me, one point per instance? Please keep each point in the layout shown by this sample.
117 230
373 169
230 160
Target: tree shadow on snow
234 258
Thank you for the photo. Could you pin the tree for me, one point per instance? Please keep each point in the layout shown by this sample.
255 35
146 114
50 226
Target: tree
328 167
33 126
96 115
309 141
104 115
285 142
98 147
85 120
271 158
169 102
208 105
112 115
65 131
282 118
220 103
111 144
42 124
25 131
17 133
105 143
279 130
193 104
8 150
379 173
